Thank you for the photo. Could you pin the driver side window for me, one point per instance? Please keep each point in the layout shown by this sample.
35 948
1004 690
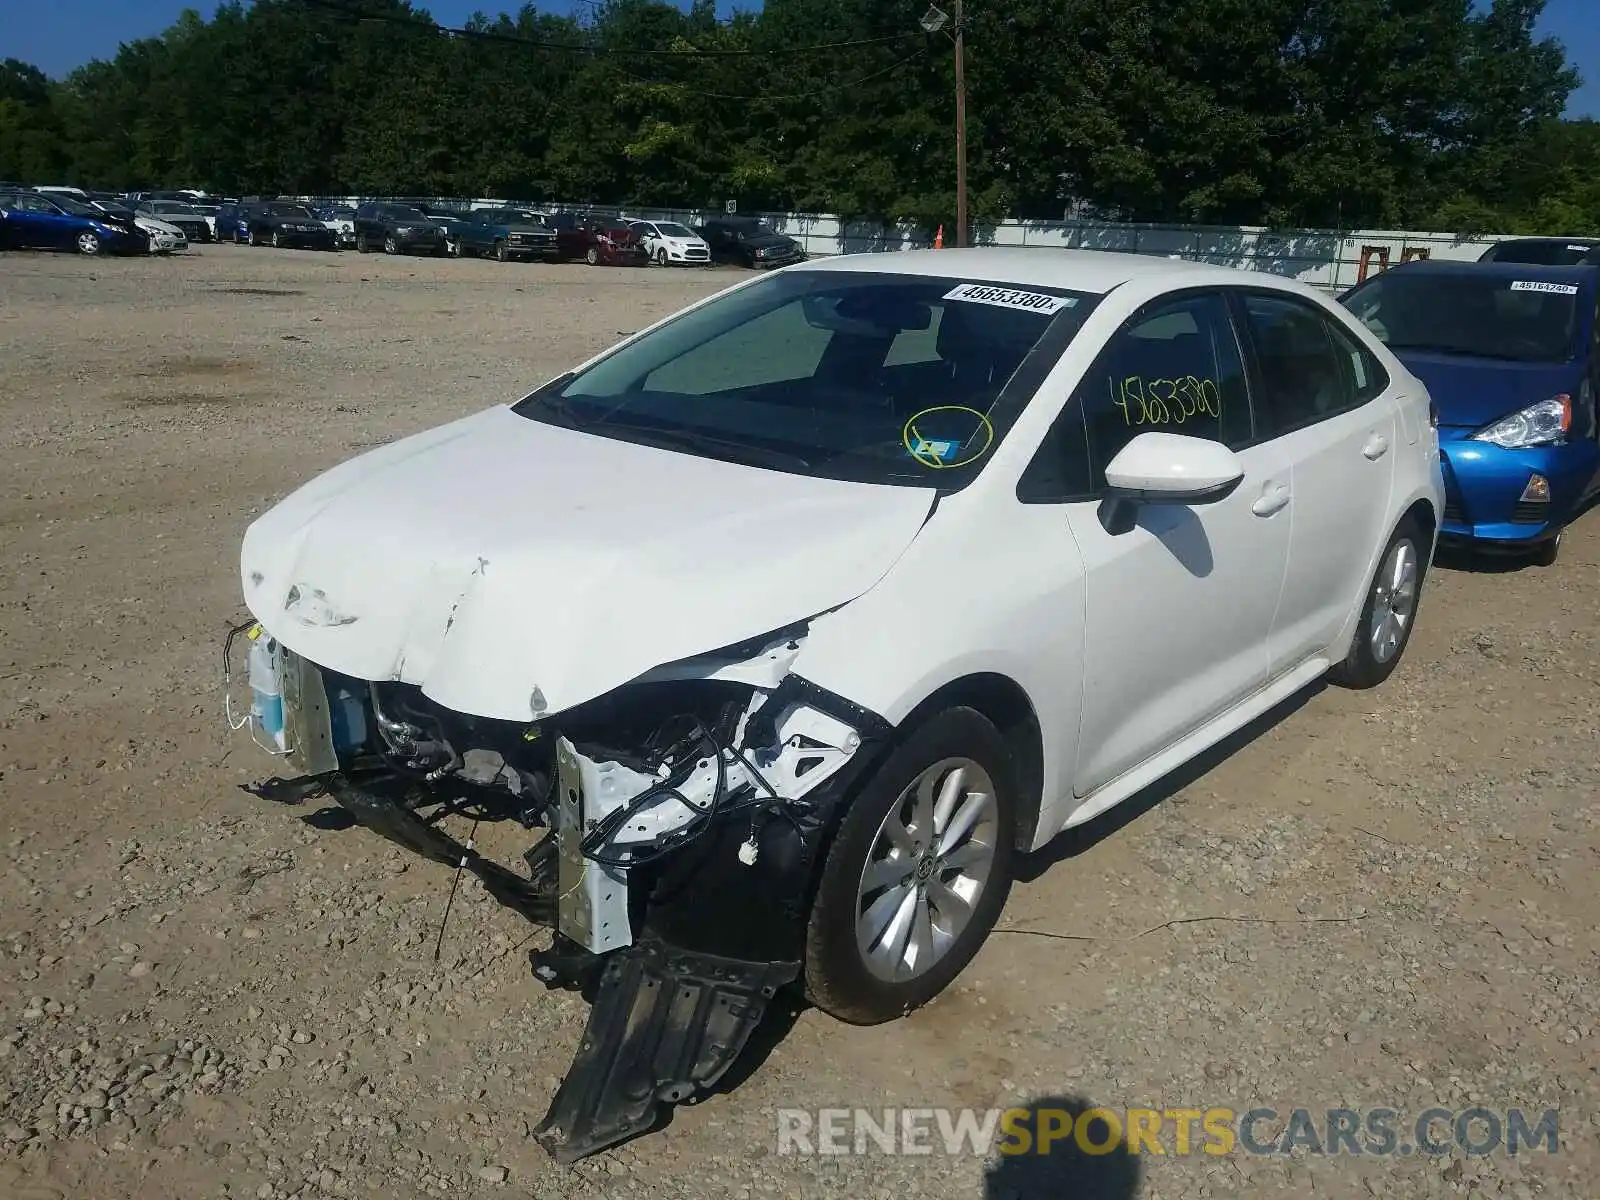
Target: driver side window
1175 367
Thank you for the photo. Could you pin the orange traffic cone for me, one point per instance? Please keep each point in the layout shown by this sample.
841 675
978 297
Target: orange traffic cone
938 239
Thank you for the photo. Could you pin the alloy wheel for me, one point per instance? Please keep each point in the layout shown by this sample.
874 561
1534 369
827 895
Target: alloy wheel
927 869
1394 600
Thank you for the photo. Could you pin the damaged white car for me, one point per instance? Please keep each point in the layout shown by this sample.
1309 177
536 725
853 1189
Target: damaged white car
786 625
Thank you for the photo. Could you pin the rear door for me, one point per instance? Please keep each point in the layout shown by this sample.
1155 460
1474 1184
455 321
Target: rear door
1329 407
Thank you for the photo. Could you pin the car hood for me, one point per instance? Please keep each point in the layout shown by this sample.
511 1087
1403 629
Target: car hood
156 225
1475 391
773 239
524 227
513 569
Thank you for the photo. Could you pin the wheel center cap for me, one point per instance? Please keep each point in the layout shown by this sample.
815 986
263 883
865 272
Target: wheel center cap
925 867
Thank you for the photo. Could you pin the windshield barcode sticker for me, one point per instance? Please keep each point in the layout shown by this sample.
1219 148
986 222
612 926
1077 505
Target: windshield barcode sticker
1560 289
984 293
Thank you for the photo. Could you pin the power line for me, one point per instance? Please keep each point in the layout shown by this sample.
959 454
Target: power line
815 92
489 35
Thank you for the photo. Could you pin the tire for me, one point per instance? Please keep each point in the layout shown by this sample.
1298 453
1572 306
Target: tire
390 246
1394 592
661 256
592 256
857 984
238 240
1548 551
454 249
277 240
255 238
88 242
501 254
361 244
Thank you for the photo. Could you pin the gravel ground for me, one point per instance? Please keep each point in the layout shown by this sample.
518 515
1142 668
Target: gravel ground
1382 898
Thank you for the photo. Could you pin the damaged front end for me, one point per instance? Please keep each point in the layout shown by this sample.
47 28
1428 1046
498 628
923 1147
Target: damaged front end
676 825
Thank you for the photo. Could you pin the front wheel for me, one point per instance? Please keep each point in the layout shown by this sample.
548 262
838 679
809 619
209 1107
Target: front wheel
255 238
592 257
277 240
501 254
1388 614
390 246
89 242
918 873
1548 551
661 256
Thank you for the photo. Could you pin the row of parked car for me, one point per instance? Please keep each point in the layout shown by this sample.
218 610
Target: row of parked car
506 232
100 222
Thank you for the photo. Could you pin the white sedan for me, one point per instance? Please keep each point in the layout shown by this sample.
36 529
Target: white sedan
165 237
670 243
796 618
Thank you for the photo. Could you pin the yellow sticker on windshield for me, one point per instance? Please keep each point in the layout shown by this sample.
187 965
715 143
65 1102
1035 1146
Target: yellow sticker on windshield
951 435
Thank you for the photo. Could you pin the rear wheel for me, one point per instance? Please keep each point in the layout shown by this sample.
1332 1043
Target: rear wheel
277 240
88 242
255 238
1388 614
390 246
592 257
918 873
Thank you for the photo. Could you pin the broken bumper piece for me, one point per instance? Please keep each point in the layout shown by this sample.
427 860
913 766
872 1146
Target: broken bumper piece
665 1026
381 807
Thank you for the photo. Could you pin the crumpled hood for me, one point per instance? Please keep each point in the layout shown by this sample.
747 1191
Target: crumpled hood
1472 392
513 569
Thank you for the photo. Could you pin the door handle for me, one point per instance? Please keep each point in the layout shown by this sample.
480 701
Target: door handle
1271 500
1377 446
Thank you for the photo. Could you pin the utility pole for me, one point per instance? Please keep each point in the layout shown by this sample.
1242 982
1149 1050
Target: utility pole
961 128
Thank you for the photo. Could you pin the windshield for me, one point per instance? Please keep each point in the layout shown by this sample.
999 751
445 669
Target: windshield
76 207
172 208
518 216
673 230
290 210
115 209
401 210
1475 316
878 378
1549 254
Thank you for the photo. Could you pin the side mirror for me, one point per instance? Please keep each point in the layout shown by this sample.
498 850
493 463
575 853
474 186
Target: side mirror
1166 468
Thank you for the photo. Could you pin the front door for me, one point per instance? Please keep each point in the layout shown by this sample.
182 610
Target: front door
1177 609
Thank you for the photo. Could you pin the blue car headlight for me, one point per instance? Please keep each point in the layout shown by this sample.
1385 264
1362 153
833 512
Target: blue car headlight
1543 424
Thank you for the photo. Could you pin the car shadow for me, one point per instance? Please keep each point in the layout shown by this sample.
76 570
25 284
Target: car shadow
1079 839
1074 1162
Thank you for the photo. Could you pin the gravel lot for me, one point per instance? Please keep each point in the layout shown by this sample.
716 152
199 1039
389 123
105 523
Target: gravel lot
1384 898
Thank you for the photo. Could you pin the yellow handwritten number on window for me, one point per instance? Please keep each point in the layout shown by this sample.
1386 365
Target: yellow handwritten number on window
1165 401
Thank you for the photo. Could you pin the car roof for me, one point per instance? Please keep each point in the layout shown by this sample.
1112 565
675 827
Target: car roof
1538 272
1092 271
1549 241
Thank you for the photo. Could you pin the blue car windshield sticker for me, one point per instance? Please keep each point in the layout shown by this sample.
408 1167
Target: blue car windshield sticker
1559 289
1004 297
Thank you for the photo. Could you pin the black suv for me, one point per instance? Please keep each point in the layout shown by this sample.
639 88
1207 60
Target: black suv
284 223
749 242
397 229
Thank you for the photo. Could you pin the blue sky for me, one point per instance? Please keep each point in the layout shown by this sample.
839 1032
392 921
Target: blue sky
57 35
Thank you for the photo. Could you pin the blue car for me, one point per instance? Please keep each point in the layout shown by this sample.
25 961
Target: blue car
32 220
1508 352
